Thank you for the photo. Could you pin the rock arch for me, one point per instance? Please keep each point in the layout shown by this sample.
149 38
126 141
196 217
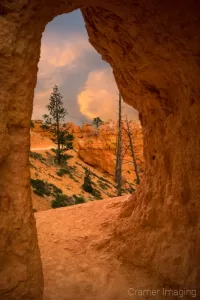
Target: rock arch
154 49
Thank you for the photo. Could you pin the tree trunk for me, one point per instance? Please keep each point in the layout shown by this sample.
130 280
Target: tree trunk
58 134
118 171
133 152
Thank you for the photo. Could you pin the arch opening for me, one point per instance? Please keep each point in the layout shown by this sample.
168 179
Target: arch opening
88 91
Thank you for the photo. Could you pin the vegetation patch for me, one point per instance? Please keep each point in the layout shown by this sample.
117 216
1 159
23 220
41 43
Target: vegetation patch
63 156
88 185
54 190
62 172
103 185
103 179
36 155
68 156
32 124
42 188
67 171
97 194
79 199
97 176
32 166
62 200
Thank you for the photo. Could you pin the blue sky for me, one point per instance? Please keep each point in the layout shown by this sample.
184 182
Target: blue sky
84 79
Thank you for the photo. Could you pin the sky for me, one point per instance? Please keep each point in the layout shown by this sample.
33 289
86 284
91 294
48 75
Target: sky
86 81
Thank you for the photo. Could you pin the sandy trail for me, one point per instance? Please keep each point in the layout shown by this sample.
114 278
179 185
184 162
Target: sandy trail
79 259
42 149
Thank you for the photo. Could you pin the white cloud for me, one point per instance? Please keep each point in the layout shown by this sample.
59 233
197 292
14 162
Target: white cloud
100 97
63 54
57 53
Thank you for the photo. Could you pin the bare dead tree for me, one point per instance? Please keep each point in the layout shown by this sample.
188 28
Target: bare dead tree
128 131
118 168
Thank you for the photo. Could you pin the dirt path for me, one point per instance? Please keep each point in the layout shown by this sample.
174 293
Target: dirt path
78 258
42 149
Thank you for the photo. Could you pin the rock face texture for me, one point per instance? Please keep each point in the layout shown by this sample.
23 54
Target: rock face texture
154 49
97 147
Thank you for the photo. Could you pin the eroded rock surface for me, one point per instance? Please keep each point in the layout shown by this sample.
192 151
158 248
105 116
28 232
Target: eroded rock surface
153 48
97 147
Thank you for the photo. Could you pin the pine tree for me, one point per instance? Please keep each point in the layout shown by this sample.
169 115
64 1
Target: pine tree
54 121
87 185
97 122
32 124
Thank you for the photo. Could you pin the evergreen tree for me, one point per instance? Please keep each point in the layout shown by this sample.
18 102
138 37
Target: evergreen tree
54 121
97 122
87 185
32 124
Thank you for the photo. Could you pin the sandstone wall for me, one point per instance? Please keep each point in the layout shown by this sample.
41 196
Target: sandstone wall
156 65
97 147
153 47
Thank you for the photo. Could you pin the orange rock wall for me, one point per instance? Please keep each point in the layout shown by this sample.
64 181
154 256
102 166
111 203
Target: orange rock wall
97 147
153 47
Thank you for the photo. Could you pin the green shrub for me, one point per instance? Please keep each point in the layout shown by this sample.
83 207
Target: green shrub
36 155
97 176
61 172
63 156
71 176
66 171
103 179
97 194
68 156
32 124
45 127
78 199
131 190
87 185
32 166
103 185
40 188
54 189
62 201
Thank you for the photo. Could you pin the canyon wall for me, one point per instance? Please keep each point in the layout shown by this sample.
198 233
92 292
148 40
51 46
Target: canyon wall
156 65
97 146
153 48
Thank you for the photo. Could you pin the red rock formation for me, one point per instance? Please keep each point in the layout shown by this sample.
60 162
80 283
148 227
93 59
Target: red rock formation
97 147
153 48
